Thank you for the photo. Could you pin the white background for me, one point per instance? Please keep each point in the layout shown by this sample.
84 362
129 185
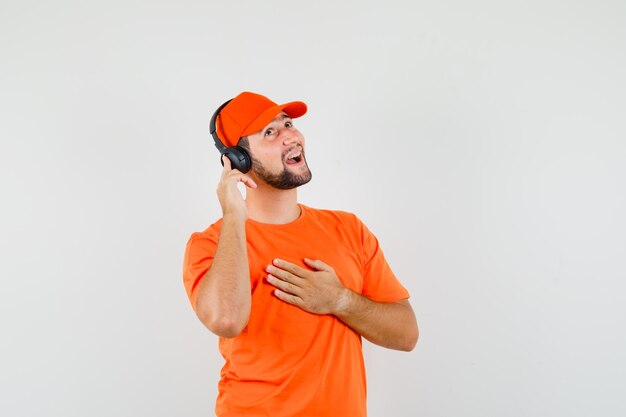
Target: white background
483 142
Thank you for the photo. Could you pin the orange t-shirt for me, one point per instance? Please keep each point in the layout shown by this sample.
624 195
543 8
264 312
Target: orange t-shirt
288 362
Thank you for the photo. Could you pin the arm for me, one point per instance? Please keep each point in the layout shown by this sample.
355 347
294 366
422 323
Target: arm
391 325
224 300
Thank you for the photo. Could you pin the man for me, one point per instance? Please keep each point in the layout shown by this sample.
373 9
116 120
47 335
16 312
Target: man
289 289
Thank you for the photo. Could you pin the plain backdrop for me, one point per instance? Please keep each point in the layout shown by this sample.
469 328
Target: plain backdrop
483 142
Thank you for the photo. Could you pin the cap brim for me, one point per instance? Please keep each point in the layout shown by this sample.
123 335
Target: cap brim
294 109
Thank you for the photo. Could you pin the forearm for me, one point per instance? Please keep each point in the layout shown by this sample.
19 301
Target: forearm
391 325
224 298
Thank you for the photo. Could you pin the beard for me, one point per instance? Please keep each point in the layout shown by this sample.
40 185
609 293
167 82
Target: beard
285 179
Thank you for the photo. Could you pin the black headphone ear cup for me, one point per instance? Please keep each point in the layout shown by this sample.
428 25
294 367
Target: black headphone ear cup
239 158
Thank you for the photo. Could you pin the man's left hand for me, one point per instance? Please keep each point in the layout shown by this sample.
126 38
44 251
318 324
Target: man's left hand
318 291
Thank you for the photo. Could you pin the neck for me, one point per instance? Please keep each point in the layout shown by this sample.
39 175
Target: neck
269 205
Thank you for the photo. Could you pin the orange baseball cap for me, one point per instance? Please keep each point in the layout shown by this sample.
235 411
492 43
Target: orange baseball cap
250 112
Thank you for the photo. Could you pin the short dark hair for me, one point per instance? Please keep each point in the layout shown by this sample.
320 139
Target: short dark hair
244 143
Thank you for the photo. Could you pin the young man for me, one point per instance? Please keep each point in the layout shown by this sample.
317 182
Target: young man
289 289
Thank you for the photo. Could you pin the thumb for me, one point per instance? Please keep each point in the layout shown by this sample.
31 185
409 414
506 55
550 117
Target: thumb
226 163
318 265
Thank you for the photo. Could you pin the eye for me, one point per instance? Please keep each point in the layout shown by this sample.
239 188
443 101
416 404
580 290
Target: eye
269 131
288 123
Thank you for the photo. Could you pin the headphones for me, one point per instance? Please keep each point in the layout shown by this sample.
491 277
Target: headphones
238 156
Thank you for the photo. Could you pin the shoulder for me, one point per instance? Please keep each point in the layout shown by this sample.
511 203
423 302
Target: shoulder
211 233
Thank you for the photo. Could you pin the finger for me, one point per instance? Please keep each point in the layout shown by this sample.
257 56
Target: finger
249 182
226 162
291 299
282 274
284 285
236 174
318 265
289 267
227 165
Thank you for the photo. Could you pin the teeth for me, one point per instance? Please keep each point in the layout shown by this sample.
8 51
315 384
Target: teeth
295 155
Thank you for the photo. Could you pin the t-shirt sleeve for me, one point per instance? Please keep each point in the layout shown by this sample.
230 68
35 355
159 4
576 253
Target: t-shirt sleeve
198 258
379 282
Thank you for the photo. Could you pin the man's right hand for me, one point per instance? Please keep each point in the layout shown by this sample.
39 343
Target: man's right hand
230 197
224 295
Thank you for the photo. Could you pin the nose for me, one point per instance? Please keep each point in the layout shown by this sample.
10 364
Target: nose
289 137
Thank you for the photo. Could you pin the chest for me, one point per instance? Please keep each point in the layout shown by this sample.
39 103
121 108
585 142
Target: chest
337 251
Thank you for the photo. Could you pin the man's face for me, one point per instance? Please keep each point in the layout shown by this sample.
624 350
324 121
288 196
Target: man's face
277 153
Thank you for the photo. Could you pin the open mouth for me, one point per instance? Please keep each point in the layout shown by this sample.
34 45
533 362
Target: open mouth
295 158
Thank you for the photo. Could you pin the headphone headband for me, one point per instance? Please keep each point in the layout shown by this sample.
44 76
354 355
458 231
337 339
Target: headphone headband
239 158
213 129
